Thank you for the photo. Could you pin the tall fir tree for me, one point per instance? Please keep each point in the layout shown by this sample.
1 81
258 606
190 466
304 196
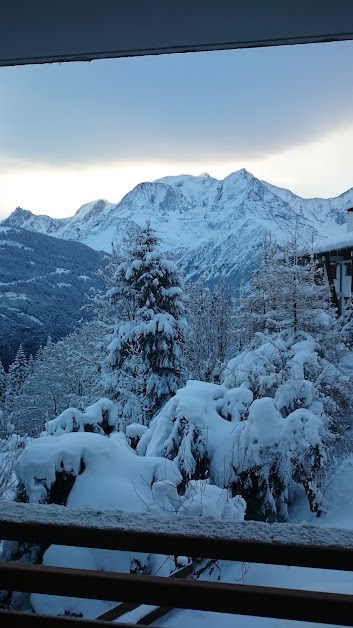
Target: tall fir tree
2 384
15 380
17 373
146 363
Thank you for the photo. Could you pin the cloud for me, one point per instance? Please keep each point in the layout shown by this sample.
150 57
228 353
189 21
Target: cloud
231 105
321 167
74 132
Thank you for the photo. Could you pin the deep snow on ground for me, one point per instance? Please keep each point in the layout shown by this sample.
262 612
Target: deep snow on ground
338 492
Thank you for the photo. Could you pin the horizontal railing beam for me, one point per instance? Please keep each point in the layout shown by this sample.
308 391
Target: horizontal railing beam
328 608
14 619
127 607
280 544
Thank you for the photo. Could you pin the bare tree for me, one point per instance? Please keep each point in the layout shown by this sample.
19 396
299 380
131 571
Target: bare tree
210 334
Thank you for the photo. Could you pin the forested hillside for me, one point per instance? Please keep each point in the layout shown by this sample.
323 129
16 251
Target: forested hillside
43 286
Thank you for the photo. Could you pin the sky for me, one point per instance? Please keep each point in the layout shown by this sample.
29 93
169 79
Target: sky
74 132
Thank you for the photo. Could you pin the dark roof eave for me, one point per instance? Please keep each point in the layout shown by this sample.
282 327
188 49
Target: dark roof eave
349 247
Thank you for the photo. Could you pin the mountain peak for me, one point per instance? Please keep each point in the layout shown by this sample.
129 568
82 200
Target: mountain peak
94 207
18 217
239 181
244 173
19 211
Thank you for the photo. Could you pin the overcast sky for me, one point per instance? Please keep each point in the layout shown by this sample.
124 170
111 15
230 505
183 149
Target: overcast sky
74 132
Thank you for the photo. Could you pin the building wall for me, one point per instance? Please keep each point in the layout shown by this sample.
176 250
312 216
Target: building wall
341 268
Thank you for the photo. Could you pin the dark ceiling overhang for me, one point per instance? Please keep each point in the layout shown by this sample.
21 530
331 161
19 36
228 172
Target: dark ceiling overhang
45 31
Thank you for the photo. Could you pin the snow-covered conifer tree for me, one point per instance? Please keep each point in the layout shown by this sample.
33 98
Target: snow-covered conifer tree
145 366
2 384
62 375
17 373
347 321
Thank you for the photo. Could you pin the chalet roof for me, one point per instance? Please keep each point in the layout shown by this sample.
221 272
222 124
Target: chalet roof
336 244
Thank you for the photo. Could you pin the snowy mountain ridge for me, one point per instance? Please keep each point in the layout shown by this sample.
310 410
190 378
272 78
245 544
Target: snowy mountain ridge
213 226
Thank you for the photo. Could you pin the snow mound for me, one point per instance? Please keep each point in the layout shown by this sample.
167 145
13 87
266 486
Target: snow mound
203 499
102 417
107 472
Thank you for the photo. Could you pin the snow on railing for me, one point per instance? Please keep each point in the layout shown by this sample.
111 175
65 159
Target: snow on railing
281 544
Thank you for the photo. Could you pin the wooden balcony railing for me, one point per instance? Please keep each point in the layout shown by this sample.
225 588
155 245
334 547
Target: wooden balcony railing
278 544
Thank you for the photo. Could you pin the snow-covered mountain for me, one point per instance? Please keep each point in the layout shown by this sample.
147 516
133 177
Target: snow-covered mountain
43 285
214 227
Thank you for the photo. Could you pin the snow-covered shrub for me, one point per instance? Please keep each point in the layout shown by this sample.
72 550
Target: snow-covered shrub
290 369
237 443
134 431
183 428
277 452
101 417
90 470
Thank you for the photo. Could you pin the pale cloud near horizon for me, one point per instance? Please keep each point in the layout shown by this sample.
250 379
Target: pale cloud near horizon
75 132
328 161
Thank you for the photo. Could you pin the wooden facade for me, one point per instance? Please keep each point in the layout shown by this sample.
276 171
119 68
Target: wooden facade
338 268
